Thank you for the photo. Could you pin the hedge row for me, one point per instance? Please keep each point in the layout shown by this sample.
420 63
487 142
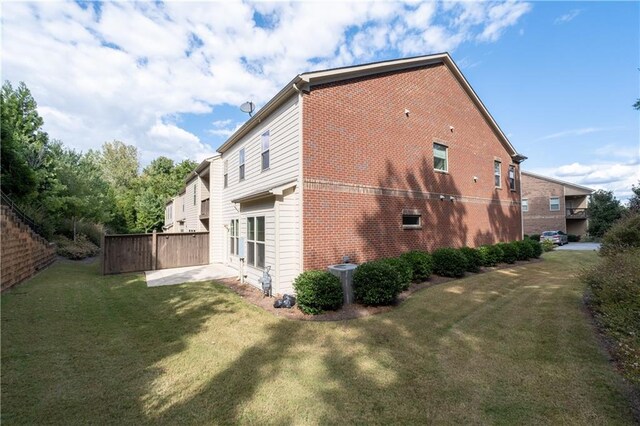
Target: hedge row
380 281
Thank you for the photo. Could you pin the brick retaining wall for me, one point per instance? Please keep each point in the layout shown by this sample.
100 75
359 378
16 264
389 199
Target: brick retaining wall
22 252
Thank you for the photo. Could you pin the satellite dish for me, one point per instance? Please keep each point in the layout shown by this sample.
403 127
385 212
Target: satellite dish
248 107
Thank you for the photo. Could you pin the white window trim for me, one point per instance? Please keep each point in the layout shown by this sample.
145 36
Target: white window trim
498 174
225 180
256 242
265 136
234 237
242 169
512 168
551 209
446 157
525 204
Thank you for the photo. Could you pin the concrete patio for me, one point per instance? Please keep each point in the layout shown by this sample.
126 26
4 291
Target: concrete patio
188 274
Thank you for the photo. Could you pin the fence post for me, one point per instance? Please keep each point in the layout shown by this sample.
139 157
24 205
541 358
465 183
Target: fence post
154 250
102 254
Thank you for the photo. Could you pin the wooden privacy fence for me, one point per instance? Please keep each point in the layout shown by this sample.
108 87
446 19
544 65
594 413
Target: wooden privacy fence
145 252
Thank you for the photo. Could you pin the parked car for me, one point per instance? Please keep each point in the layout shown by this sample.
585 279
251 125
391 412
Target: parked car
557 237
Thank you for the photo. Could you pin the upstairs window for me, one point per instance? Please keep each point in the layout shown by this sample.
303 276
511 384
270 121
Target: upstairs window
440 160
525 205
265 150
241 164
512 178
226 173
497 173
195 188
554 204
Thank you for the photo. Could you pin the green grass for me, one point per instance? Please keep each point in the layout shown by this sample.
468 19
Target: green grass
510 346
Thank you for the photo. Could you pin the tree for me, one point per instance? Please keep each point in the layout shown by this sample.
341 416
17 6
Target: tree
634 201
160 180
119 163
604 209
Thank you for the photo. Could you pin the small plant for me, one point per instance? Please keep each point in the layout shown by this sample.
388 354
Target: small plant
614 296
623 235
81 248
376 283
318 291
491 255
536 248
474 258
449 262
421 263
509 252
547 245
525 250
403 269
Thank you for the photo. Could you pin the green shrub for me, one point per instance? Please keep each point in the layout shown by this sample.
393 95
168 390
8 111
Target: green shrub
403 269
547 245
449 262
376 283
81 248
318 291
536 248
623 235
614 296
534 237
572 238
509 252
491 255
525 250
474 258
421 264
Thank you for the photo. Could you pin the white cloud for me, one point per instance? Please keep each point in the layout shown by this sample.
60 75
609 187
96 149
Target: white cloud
567 17
575 132
612 176
131 69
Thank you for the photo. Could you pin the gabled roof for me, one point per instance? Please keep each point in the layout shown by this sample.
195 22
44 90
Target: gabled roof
309 79
558 181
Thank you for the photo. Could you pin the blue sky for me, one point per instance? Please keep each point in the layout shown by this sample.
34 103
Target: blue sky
559 77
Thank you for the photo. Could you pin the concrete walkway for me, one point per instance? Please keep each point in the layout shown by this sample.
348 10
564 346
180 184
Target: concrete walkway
189 274
580 246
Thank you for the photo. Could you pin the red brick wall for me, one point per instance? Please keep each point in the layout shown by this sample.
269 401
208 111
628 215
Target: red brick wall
364 161
539 218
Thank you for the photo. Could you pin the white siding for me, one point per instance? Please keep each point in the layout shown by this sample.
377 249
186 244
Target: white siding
191 209
217 231
284 151
169 216
288 244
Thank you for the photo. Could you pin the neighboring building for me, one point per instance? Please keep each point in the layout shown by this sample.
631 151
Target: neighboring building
366 161
553 205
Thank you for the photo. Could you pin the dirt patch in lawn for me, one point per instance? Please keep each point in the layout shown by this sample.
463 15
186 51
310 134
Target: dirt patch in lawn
254 296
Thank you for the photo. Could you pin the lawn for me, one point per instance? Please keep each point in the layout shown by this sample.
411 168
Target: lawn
509 346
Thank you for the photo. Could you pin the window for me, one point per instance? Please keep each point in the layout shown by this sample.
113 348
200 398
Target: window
512 178
241 162
233 233
255 241
440 157
554 204
265 150
525 205
497 174
226 173
411 220
195 187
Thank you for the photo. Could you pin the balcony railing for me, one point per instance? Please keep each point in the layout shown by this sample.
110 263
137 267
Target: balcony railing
576 213
204 209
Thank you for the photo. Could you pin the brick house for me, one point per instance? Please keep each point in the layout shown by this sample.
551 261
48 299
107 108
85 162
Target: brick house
367 161
553 205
